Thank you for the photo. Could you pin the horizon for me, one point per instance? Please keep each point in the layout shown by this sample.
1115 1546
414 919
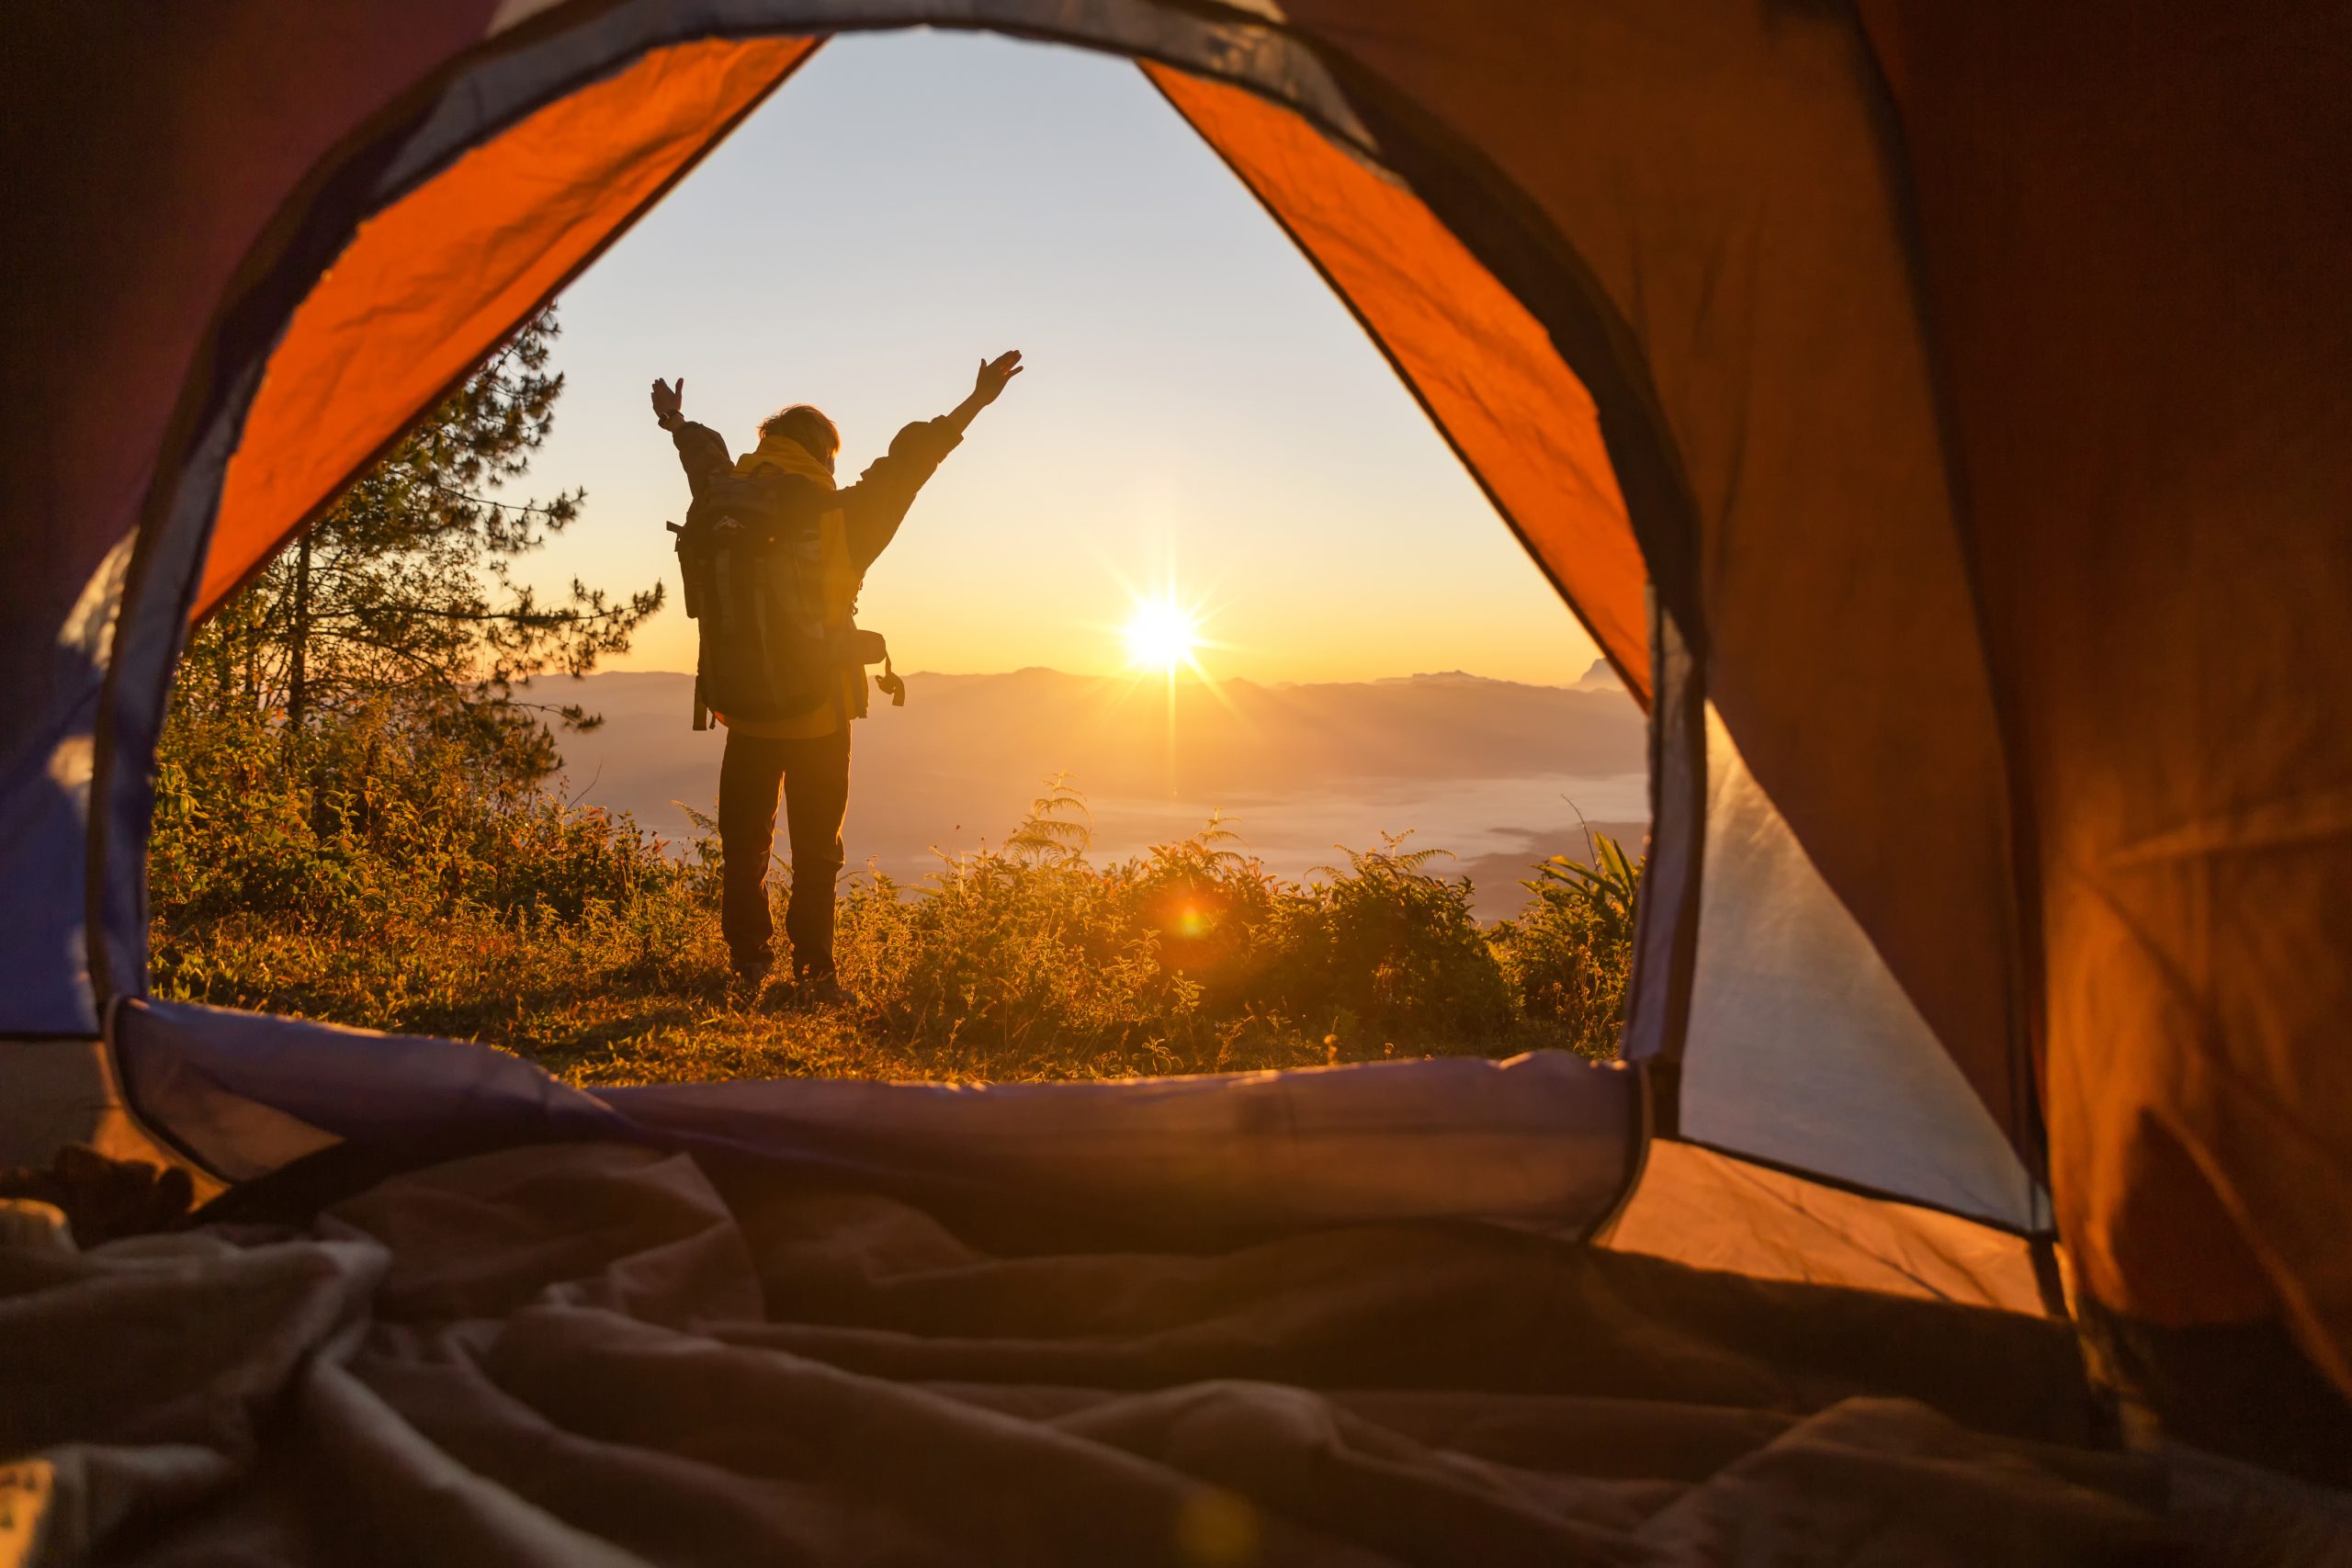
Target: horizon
1494 772
1599 677
1201 427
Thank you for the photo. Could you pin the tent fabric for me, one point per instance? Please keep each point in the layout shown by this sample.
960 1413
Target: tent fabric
1712 1209
1979 426
211 121
2140 282
1801 1049
1481 366
1666 917
596 1353
1542 1142
44 820
429 287
1722 175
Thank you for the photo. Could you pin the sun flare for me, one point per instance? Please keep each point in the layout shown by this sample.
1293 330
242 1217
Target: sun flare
1161 635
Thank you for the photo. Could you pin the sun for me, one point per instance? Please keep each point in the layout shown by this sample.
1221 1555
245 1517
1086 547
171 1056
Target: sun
1161 635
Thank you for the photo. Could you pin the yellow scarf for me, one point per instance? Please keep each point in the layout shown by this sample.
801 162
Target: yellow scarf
838 582
783 452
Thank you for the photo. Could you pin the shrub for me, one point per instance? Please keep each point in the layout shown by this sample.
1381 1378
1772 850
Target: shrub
1030 962
1568 954
378 816
1389 954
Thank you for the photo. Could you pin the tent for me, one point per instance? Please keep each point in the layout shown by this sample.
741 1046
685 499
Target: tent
1937 413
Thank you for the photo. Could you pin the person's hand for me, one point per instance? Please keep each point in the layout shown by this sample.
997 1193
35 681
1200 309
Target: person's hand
668 400
989 385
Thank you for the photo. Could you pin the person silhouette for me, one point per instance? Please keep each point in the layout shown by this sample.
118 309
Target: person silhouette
803 756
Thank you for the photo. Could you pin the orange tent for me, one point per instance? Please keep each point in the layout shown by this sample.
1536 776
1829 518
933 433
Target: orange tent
1935 413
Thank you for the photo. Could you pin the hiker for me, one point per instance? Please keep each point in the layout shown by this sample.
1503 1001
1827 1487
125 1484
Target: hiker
774 555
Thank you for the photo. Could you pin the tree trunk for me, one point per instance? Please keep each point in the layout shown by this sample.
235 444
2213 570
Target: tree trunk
298 695
224 674
253 660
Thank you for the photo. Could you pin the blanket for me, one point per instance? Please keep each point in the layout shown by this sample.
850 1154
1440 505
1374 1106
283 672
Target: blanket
599 1354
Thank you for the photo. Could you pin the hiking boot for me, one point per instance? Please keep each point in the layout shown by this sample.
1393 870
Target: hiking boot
748 978
821 989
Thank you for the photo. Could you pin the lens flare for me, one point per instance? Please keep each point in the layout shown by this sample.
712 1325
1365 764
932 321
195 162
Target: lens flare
1161 635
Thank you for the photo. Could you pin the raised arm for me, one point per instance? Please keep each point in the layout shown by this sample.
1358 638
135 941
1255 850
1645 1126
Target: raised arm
702 451
878 503
987 387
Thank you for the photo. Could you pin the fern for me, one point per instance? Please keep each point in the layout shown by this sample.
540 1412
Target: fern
1059 828
1391 861
1208 849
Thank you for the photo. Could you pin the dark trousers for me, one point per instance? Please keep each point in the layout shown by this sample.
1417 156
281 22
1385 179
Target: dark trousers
814 778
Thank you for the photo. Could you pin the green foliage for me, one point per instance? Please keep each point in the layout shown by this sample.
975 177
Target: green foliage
1213 913
1389 947
399 886
1569 954
393 816
350 823
1605 890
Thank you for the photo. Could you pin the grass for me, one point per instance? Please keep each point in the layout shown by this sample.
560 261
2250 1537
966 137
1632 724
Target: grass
369 877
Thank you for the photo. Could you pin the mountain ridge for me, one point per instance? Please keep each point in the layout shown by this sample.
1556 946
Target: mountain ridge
1498 773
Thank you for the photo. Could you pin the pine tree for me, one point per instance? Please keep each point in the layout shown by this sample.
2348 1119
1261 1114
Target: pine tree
404 595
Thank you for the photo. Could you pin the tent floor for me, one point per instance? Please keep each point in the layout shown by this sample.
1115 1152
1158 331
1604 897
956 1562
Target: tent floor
592 1353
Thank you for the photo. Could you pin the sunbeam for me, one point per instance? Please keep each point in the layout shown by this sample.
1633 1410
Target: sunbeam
1160 635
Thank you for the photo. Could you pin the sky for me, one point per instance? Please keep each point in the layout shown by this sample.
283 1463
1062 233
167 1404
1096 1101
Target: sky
1200 419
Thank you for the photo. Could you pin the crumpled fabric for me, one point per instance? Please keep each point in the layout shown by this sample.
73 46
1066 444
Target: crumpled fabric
596 1354
101 1198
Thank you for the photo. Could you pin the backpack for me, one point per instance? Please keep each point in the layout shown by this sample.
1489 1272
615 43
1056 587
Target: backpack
752 564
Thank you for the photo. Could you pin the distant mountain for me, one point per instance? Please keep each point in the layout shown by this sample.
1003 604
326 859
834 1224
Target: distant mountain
1600 676
1494 771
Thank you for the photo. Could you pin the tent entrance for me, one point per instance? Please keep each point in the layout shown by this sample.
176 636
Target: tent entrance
430 237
